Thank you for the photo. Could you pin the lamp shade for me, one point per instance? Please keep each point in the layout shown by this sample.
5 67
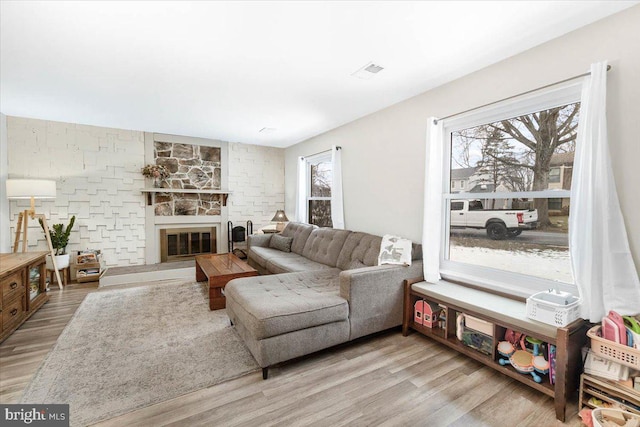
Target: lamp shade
280 217
28 188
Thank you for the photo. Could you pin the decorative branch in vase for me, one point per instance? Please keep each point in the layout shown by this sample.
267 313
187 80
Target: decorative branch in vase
156 172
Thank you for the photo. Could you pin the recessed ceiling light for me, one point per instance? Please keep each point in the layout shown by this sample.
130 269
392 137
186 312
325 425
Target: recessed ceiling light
267 130
368 71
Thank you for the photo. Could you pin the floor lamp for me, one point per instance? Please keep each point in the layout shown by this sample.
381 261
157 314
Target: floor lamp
32 189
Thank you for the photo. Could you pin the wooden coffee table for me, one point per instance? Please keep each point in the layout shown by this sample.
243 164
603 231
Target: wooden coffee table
218 270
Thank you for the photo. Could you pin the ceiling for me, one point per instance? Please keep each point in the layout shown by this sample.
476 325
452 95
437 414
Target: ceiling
225 70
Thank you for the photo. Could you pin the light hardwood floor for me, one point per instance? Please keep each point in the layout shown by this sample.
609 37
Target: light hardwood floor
384 380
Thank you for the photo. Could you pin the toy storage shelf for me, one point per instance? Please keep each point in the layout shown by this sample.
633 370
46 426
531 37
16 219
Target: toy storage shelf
608 391
568 342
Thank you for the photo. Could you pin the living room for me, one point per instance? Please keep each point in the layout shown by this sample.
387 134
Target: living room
91 94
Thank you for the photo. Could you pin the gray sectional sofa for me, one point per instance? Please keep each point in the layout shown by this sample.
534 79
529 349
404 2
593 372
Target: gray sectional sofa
325 291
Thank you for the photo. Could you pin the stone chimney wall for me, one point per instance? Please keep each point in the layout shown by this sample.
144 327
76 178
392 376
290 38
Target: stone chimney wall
191 167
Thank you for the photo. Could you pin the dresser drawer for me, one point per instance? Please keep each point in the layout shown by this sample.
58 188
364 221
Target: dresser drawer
12 285
12 312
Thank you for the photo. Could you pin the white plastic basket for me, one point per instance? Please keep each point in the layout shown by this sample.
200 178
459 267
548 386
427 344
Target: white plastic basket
552 308
620 353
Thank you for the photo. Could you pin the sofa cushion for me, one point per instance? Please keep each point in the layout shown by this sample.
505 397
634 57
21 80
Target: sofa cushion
359 250
262 255
324 245
277 304
281 243
300 233
290 264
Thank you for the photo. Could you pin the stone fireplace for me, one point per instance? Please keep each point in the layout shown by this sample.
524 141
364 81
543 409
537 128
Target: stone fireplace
188 214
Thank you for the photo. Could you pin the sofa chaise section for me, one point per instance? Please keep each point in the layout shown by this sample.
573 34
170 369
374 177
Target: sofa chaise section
284 316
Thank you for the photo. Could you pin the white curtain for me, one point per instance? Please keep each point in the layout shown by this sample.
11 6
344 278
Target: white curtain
301 191
603 268
337 204
432 223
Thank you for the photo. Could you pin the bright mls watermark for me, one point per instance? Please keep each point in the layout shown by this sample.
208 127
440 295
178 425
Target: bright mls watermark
34 415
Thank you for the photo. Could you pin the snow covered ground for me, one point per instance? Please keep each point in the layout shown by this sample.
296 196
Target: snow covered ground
548 264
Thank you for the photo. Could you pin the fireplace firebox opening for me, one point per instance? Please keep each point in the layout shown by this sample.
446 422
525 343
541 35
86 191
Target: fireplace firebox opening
180 244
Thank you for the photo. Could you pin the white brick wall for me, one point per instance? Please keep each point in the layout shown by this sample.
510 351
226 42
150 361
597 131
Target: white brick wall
256 178
97 171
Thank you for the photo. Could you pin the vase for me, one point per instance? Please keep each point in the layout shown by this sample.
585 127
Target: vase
62 261
157 183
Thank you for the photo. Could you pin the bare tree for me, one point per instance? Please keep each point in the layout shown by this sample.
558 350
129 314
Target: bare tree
526 167
320 210
464 140
543 133
492 168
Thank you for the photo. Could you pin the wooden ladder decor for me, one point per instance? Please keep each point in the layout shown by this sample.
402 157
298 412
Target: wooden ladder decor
23 219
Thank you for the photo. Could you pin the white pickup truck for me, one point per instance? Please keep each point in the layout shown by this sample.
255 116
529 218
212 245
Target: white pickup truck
500 223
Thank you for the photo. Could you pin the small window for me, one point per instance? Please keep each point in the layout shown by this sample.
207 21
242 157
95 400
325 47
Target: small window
555 204
554 175
320 176
457 206
475 205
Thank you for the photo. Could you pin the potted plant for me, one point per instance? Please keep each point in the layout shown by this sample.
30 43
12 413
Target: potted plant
59 240
156 172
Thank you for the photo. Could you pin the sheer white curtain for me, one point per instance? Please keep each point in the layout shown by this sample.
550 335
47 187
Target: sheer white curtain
337 204
301 191
603 268
432 223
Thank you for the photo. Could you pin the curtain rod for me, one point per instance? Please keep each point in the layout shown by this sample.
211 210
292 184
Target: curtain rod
320 152
435 122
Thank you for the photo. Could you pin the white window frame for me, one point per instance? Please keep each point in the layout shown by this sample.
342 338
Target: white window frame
309 161
520 285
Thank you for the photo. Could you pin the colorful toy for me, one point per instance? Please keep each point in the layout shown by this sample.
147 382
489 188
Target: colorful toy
540 364
426 313
613 328
505 348
418 310
522 360
430 314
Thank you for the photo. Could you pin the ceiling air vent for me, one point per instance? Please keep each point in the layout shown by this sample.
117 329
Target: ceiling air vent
368 71
267 130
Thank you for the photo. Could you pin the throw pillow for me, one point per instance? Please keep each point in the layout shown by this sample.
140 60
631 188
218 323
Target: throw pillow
281 243
394 250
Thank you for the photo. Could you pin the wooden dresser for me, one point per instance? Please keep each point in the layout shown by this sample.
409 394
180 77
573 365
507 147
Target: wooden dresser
22 289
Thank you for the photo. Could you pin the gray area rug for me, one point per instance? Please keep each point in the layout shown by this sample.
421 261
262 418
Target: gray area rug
129 348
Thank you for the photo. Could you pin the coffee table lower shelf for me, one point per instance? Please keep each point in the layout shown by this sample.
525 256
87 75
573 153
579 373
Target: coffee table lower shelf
218 270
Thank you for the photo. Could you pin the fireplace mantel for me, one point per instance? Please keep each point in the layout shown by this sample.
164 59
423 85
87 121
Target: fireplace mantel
151 191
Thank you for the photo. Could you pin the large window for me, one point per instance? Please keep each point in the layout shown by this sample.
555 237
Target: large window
508 230
319 178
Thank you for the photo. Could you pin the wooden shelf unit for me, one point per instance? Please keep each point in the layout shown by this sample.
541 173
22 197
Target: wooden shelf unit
608 391
568 341
22 289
